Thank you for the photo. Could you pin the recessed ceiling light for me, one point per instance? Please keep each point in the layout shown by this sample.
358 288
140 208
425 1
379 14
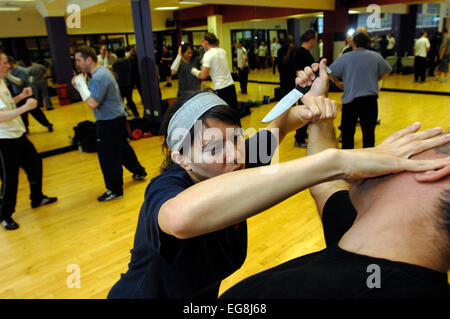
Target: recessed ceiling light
9 9
190 2
166 8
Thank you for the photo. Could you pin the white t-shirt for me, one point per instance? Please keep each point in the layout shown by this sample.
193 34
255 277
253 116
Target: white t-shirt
391 43
216 60
107 61
242 57
274 49
262 51
13 128
421 47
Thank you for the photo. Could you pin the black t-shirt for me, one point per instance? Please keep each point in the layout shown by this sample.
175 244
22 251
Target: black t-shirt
122 68
334 273
165 267
302 59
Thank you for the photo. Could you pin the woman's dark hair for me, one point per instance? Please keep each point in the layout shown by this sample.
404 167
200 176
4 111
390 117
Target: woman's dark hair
223 113
186 46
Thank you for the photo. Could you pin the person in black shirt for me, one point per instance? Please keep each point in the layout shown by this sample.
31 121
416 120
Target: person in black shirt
286 66
302 59
122 70
386 237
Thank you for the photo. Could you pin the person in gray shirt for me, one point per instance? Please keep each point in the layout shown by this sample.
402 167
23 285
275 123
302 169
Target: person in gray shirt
182 65
18 80
38 79
103 97
360 71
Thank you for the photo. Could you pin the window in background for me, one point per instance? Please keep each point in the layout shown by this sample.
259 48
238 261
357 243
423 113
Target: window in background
428 15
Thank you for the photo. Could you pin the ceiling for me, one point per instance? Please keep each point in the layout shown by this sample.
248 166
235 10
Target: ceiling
89 7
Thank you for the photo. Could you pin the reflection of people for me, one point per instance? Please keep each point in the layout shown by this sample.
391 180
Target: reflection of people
242 64
215 63
274 53
444 57
391 45
106 58
17 151
165 63
421 48
103 97
389 233
18 80
38 79
262 54
122 70
302 59
360 70
286 66
182 65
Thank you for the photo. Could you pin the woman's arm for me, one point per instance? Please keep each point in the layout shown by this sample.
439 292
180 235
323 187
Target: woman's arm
230 198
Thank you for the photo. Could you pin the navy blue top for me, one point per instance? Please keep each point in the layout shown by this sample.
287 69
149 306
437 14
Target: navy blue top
163 266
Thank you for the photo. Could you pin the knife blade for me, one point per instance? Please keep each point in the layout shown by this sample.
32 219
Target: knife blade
288 100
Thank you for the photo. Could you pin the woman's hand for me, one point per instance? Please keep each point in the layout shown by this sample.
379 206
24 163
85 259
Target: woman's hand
391 156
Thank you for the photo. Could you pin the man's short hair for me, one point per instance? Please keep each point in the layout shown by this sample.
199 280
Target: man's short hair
120 53
361 40
86 52
308 35
11 60
211 38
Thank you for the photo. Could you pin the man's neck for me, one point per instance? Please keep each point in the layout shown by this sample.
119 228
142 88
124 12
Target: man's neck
93 68
306 46
391 234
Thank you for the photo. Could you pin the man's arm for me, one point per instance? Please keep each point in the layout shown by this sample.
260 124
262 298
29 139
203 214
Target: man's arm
201 74
320 134
321 137
79 83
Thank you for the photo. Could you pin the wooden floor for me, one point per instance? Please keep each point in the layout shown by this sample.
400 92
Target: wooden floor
98 237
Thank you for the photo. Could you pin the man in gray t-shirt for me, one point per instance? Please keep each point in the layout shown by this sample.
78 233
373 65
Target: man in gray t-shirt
360 71
103 97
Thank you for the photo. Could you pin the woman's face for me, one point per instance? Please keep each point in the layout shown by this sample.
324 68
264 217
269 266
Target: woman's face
187 55
219 148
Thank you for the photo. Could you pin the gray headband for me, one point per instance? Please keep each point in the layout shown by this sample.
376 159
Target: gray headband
184 119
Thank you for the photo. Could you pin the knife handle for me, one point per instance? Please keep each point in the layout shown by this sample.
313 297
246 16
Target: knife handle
306 88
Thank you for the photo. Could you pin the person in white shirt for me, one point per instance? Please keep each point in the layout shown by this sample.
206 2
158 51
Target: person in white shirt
242 64
262 54
215 63
391 45
16 150
421 47
274 52
106 58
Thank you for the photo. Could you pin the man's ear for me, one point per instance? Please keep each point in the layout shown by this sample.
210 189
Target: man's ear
433 176
181 160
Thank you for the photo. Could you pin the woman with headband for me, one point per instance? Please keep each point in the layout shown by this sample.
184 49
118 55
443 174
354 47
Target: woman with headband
192 232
